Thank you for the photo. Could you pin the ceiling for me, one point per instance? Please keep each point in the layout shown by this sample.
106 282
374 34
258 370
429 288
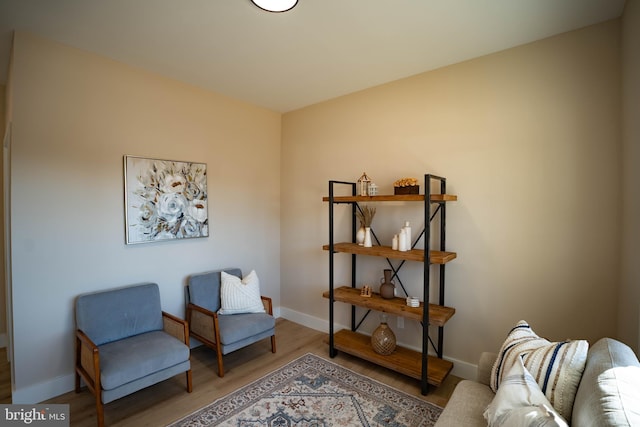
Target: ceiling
319 50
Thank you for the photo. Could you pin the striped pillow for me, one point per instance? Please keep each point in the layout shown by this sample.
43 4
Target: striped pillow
556 366
520 402
240 296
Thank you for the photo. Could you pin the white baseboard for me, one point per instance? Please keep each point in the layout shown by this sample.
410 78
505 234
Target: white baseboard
304 319
465 370
460 369
43 391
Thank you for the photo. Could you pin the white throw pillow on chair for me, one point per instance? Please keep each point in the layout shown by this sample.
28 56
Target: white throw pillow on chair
240 295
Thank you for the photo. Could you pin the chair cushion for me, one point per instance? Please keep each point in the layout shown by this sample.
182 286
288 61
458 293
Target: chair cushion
135 357
236 327
204 288
115 314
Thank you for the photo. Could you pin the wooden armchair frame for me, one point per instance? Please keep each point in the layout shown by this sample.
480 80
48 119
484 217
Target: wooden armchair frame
88 360
205 328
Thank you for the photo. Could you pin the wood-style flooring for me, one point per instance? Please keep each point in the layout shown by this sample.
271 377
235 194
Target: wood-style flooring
168 401
5 377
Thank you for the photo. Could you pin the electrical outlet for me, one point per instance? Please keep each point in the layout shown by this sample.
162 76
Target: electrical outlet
400 322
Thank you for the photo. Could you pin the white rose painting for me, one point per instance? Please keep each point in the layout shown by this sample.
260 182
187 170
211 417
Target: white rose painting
164 199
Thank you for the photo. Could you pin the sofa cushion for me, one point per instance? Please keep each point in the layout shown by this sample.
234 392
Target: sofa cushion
556 366
135 357
115 314
240 295
609 392
519 402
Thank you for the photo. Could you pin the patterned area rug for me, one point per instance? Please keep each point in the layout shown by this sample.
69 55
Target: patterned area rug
313 392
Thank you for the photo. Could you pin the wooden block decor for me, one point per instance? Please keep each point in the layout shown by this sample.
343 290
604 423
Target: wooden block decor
365 291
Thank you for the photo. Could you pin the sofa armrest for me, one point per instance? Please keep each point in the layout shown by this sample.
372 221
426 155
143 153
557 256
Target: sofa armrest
87 362
466 406
175 327
484 367
268 304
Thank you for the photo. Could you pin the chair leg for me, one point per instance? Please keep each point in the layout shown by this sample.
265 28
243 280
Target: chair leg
189 382
273 343
220 365
77 382
99 409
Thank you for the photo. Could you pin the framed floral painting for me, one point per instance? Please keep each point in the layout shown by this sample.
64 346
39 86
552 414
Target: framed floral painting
164 200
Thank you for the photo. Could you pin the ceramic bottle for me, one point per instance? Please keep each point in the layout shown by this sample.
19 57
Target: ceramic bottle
387 288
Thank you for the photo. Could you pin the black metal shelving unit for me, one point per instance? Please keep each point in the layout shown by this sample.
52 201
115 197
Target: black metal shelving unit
435 201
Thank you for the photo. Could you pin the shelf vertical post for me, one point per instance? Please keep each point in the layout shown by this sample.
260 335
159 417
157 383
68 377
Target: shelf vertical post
425 281
332 350
443 223
354 207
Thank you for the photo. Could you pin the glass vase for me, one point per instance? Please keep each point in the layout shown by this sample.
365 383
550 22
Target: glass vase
383 340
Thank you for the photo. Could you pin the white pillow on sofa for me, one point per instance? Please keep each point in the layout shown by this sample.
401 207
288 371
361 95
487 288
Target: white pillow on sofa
240 295
556 366
519 402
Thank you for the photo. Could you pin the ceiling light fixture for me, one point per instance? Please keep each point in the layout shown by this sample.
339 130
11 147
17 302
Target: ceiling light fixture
275 5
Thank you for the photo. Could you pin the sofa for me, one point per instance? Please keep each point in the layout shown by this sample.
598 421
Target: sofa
125 342
608 393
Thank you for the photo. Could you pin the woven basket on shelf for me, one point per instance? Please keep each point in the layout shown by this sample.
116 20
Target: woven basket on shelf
409 189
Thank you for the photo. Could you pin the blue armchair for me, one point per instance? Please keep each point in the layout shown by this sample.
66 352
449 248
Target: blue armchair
125 342
224 333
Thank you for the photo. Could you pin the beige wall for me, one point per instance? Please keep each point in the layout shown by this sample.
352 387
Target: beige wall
629 301
529 139
74 117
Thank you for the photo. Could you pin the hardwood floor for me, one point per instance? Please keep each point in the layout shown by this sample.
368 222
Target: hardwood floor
5 377
168 401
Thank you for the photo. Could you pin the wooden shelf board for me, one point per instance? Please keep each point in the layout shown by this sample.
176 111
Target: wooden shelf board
402 360
438 314
436 257
435 198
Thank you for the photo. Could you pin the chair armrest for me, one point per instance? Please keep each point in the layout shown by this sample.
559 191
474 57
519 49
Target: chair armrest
203 324
176 327
268 304
484 367
194 307
87 360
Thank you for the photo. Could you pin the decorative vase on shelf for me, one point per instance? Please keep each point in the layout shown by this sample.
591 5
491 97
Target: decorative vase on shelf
383 340
387 288
365 215
367 237
360 236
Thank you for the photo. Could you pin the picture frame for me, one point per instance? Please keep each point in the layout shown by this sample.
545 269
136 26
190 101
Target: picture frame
164 200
